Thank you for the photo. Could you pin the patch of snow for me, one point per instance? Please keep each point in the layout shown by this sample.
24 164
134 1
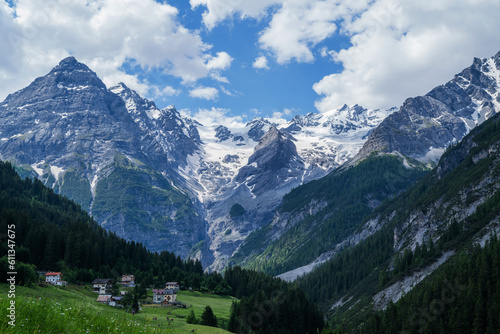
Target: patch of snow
79 87
93 184
153 113
37 169
56 171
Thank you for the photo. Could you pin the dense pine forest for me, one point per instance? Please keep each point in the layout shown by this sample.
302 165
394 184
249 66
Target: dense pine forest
54 233
462 297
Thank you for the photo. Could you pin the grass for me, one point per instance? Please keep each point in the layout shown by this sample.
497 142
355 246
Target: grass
74 309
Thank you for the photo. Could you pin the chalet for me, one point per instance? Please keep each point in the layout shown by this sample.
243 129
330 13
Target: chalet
127 281
172 286
164 296
104 299
102 286
53 278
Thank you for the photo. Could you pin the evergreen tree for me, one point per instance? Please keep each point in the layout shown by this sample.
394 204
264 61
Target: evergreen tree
208 317
191 318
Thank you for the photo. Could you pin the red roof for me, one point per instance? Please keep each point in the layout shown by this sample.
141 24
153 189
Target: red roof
52 274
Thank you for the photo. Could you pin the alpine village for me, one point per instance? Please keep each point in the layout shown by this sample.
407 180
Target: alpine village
118 216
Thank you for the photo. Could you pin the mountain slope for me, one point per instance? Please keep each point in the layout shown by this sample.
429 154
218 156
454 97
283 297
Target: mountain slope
455 205
158 177
418 133
315 220
84 142
256 165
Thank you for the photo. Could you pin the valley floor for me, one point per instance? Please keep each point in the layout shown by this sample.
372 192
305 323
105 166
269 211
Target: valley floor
74 309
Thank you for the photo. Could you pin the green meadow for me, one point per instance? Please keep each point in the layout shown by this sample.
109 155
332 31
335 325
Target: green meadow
74 309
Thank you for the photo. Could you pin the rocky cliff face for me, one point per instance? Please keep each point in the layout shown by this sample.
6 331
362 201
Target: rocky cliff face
99 149
424 126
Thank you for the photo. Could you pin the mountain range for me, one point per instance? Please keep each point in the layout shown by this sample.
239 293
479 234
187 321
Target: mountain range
161 178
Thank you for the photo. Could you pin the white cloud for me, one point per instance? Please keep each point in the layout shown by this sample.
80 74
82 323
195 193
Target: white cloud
277 118
403 49
206 93
215 116
260 62
104 34
297 27
170 91
220 62
220 10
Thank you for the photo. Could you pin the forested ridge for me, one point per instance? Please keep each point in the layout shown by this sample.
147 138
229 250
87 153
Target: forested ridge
350 195
54 233
371 266
462 297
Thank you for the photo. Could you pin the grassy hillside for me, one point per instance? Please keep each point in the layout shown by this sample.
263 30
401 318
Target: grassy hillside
74 309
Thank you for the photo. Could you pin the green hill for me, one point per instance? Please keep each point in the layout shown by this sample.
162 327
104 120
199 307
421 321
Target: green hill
75 310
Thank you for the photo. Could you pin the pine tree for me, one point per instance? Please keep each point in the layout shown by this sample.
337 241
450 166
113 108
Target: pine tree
191 318
208 317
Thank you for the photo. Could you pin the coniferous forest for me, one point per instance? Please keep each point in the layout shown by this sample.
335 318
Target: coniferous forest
462 297
54 233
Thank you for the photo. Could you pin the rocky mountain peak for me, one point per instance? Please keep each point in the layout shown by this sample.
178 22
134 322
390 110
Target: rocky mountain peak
70 64
274 151
425 125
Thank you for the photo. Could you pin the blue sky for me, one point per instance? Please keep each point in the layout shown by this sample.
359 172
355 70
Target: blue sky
240 59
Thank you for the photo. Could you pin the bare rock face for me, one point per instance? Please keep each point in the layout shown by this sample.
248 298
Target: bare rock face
425 125
274 160
108 150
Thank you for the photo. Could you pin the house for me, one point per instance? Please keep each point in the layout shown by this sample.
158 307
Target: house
104 299
61 283
164 296
172 286
53 278
127 281
116 302
102 286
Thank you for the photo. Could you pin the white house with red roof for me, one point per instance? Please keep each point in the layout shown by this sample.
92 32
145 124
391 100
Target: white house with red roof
53 278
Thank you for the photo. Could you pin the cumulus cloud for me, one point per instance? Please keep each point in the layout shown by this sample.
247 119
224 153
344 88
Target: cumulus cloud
105 34
221 61
206 93
215 116
403 49
297 27
397 48
219 10
260 62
